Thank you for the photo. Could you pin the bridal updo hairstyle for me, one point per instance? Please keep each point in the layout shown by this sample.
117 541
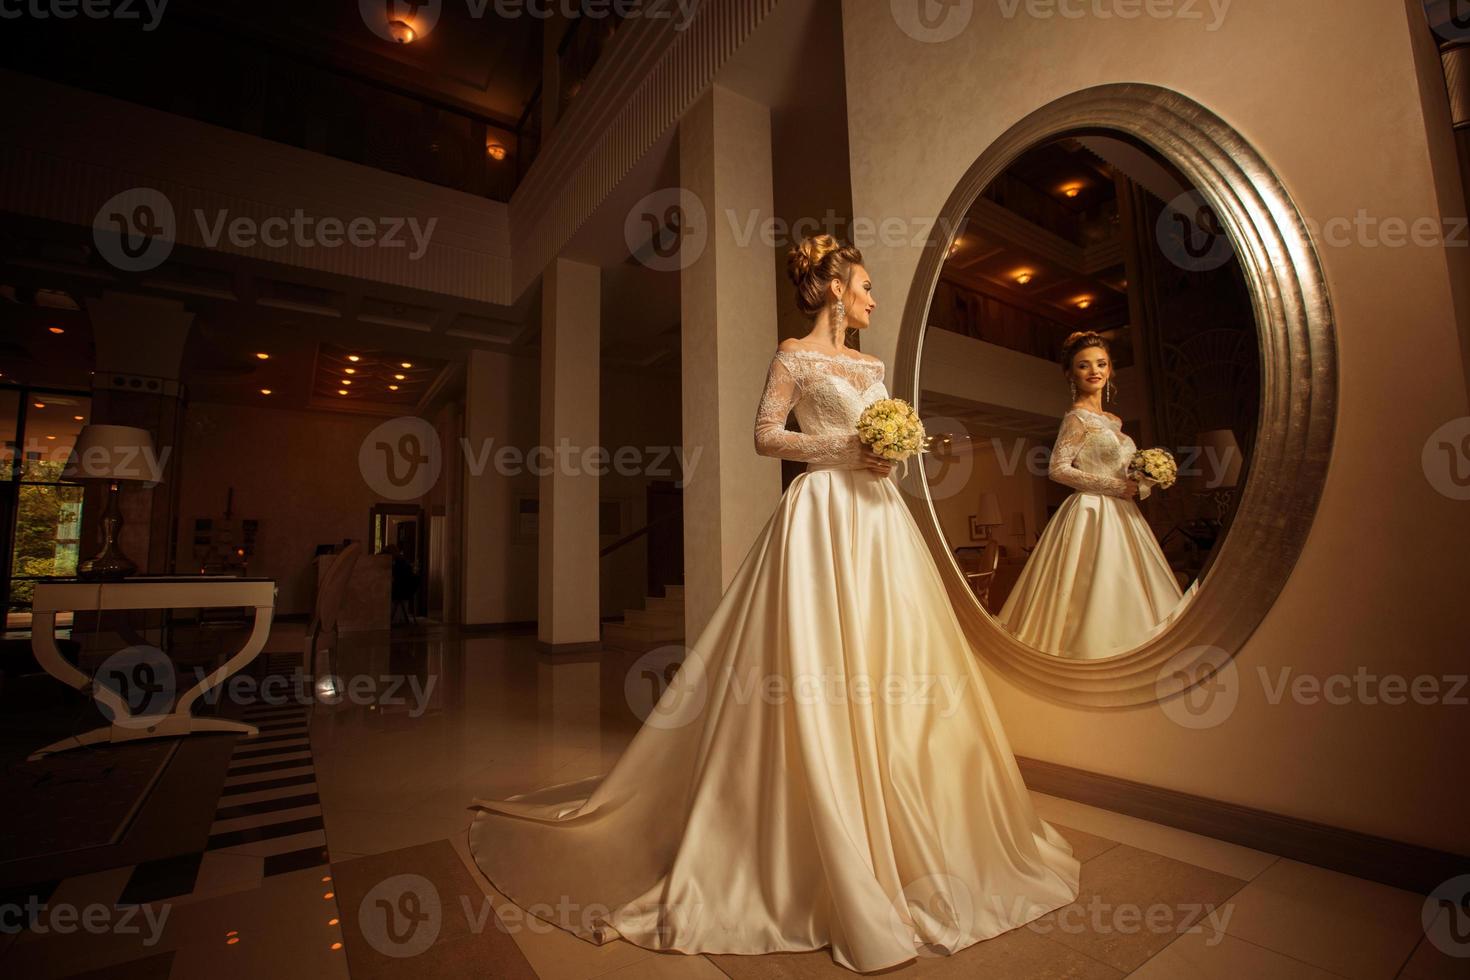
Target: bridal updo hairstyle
1081 340
816 262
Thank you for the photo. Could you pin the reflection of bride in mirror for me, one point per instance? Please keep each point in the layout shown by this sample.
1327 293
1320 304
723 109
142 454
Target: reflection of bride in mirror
1097 583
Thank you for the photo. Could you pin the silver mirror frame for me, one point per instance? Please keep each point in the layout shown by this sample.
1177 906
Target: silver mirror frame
1298 397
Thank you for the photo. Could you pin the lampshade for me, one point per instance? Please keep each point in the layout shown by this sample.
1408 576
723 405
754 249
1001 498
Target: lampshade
989 514
120 453
1220 459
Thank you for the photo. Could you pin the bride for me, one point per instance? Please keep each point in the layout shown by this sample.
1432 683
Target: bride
826 768
1097 583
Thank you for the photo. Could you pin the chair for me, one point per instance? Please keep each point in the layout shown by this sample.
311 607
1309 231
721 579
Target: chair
982 574
323 622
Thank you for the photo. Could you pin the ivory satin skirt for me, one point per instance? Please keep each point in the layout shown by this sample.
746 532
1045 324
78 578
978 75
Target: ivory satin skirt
1096 585
825 769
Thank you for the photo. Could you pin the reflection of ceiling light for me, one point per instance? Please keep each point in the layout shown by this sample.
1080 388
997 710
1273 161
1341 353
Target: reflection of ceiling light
956 246
353 358
349 370
1071 190
51 437
405 364
1022 278
56 329
496 151
399 377
1084 302
263 356
77 418
392 387
402 32
347 381
40 404
341 391
265 391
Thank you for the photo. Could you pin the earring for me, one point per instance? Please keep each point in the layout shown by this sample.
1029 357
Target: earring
1112 391
839 319
1073 386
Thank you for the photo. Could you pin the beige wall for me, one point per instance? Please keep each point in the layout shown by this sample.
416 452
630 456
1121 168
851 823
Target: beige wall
296 472
1329 92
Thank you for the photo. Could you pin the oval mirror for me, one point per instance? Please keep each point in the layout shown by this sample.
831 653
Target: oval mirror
1123 354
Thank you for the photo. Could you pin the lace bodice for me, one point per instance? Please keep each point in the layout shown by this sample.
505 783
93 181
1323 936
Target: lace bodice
1091 453
828 392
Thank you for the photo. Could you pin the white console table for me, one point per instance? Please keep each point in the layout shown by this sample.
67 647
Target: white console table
148 592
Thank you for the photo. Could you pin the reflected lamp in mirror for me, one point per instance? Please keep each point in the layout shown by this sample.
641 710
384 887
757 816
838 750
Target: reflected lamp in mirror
1220 463
989 517
1017 529
114 455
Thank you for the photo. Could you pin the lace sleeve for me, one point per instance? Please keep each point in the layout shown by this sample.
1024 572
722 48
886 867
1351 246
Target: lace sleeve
1063 469
772 438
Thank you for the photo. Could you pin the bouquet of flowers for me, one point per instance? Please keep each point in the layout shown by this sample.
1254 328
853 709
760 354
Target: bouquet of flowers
1152 468
892 429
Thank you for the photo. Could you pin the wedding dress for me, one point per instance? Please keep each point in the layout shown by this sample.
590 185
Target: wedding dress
772 802
1097 584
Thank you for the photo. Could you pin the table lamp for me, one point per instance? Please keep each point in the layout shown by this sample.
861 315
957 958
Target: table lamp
989 517
116 454
1221 462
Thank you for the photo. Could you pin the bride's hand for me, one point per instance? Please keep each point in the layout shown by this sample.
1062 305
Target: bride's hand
1130 489
875 462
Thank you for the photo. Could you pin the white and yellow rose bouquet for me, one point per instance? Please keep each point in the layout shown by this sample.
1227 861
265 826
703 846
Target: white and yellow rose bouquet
1152 468
892 429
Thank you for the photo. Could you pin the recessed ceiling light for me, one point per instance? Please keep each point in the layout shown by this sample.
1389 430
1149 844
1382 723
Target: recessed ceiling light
392 387
51 437
349 370
1084 302
398 377
402 31
341 391
353 358
496 151
347 381
405 364
265 391
56 329
1071 190
40 404
78 418
1022 278
263 356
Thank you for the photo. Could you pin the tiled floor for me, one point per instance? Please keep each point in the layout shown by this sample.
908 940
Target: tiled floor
436 720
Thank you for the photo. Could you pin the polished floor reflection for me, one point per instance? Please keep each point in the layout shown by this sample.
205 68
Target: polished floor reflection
420 722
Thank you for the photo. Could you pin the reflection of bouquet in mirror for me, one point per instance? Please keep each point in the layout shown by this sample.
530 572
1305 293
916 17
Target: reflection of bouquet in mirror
892 429
1152 468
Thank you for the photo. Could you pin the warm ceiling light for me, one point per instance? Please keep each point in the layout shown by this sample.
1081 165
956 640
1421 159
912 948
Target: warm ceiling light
349 370
56 329
496 151
1071 190
1084 302
347 381
405 364
78 418
1022 278
402 31
400 377
263 356
51 437
336 945
265 391
40 404
332 922
341 391
392 387
353 358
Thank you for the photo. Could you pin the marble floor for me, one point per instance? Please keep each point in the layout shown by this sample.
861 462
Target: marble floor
424 721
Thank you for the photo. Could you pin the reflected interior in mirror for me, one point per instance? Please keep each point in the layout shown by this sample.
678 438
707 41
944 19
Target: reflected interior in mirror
1093 233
